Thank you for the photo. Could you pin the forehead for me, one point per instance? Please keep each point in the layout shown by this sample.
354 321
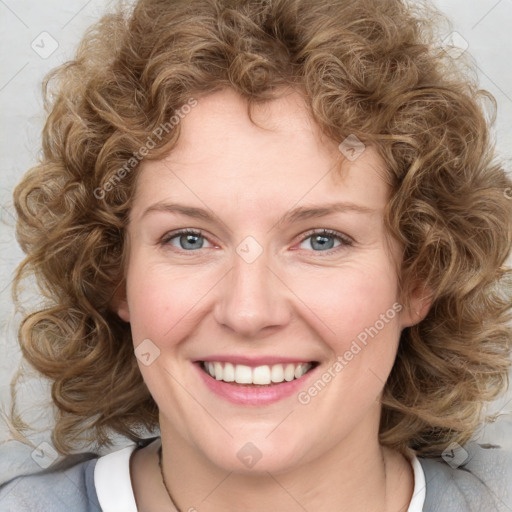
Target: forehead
285 158
219 127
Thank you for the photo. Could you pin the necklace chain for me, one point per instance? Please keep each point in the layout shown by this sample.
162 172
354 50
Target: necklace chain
179 510
163 479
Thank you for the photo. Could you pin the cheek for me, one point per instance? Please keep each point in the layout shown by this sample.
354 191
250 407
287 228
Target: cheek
357 317
338 303
163 300
346 301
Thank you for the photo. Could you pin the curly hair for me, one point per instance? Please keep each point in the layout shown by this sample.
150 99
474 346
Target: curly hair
375 70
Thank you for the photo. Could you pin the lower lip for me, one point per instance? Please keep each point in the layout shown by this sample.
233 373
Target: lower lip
253 395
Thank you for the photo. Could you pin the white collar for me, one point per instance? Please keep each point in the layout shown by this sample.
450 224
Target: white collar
419 491
115 493
113 482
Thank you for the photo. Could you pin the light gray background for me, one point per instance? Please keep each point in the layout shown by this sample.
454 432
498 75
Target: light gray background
484 24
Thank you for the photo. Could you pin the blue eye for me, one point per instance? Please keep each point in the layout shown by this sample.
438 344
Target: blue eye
321 240
188 239
324 240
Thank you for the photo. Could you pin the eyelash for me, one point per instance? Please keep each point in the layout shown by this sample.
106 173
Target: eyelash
345 240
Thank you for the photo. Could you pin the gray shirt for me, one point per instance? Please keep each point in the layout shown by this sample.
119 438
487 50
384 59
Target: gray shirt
482 484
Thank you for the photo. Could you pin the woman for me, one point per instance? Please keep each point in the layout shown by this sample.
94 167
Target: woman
275 232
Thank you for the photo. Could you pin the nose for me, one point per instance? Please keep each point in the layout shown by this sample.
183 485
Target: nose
252 299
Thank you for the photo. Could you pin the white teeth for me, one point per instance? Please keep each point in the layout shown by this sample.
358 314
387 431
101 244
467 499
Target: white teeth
289 372
218 370
277 373
260 375
243 374
228 374
300 370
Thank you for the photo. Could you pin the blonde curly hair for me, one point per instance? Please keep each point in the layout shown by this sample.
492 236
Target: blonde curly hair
371 69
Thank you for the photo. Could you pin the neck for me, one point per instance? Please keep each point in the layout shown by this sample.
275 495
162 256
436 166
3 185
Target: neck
351 477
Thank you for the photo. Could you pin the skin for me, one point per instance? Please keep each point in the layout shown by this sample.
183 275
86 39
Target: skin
294 300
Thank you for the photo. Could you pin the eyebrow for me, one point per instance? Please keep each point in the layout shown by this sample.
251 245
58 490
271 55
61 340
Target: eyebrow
296 214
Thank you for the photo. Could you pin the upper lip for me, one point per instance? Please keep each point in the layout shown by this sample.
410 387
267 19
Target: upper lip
254 361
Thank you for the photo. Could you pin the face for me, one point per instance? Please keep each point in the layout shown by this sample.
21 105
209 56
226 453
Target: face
261 289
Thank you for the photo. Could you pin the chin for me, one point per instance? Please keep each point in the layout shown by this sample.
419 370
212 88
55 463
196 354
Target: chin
255 456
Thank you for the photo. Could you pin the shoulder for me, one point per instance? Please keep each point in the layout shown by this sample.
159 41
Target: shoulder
68 487
469 479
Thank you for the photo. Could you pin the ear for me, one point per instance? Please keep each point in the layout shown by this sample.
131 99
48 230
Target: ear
420 300
119 302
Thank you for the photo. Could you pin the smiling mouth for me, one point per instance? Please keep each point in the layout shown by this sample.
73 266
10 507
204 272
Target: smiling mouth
264 375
